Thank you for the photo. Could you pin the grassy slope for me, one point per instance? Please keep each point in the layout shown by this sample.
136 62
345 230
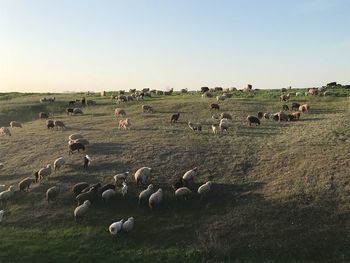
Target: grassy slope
281 189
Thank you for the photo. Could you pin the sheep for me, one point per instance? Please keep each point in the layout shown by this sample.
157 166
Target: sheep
90 195
44 172
25 184
142 175
214 128
225 115
43 115
145 194
260 115
175 117
120 177
14 124
195 126
298 94
218 98
284 97
79 187
59 124
224 124
190 174
124 189
304 108
285 107
204 188
282 116
119 112
108 194
1 215
52 193
77 111
291 117
147 109
81 210
50 124
296 115
252 119
5 131
58 163
82 141
125 124
87 161
128 225
105 187
155 199
75 147
69 111
266 115
116 227
2 187
183 192
207 95
214 106
75 136
7 194
295 105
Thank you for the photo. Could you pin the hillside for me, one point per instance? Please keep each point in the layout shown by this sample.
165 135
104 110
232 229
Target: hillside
280 190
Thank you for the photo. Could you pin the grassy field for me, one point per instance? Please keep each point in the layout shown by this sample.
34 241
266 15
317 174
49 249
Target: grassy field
281 190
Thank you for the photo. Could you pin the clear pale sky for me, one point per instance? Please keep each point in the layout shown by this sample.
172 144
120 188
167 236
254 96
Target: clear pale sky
80 45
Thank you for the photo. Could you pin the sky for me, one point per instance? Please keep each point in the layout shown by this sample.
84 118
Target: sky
95 45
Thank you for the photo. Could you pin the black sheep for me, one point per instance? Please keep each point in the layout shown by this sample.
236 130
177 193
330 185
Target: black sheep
76 147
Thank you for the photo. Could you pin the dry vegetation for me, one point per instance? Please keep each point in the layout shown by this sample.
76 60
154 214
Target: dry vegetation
281 190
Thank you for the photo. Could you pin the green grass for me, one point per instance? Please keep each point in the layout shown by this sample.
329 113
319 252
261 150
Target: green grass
280 191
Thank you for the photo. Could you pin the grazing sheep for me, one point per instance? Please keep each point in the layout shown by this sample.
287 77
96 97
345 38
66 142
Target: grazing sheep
90 195
175 117
108 194
128 225
44 172
284 97
59 124
96 188
125 124
52 193
285 107
296 115
295 105
253 119
275 117
142 175
5 131
195 126
116 227
1 215
25 184
204 188
119 112
79 187
58 163
214 106
124 189
190 174
224 124
147 109
43 115
260 115
215 129
183 192
69 111
282 116
2 187
75 147
7 194
266 115
87 161
120 177
155 199
304 108
145 194
14 124
75 136
105 187
77 111
225 115
50 124
291 117
81 210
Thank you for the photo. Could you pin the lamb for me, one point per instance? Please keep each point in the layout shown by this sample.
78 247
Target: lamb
90 195
79 187
155 199
58 163
75 147
77 111
50 124
142 175
214 106
1 215
184 192
69 110
147 109
14 124
260 115
295 105
124 189
43 115
190 174
81 210
75 136
7 194
119 112
125 124
44 172
145 194
108 194
304 108
253 119
59 124
25 184
120 177
215 129
52 193
128 225
5 131
204 188
195 126
175 117
116 227
225 115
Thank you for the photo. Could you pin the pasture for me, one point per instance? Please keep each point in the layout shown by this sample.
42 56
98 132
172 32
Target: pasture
280 191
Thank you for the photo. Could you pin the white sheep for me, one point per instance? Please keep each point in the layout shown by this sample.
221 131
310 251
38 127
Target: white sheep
75 136
58 163
120 177
108 194
52 193
81 210
145 194
5 131
124 189
128 225
7 194
44 172
116 227
14 124
204 188
1 215
190 174
183 192
155 199
142 175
